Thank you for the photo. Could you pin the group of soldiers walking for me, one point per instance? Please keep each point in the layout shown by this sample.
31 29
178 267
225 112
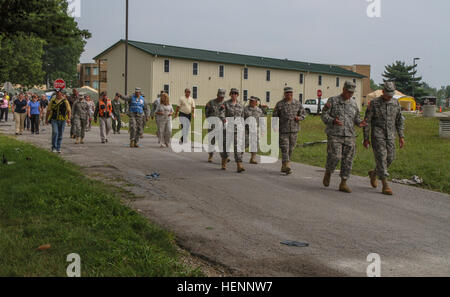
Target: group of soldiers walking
383 120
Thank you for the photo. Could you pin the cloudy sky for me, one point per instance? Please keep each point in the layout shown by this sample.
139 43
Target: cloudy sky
321 31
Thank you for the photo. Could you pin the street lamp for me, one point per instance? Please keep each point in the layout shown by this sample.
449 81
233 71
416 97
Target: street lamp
414 76
126 49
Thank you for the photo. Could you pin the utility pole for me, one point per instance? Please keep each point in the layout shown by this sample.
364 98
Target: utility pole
414 76
126 50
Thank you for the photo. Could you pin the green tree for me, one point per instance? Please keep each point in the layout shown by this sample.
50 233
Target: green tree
53 35
374 86
405 78
21 60
46 19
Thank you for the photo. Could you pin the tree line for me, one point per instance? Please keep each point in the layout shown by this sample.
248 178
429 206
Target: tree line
405 78
39 42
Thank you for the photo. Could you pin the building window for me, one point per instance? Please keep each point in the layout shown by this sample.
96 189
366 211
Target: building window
320 80
337 82
354 80
300 98
95 84
221 71
267 97
195 69
167 89
88 71
166 66
301 78
245 73
87 83
268 75
95 71
245 95
194 92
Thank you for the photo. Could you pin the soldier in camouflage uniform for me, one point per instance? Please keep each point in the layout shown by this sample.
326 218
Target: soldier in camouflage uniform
385 120
137 110
233 109
341 114
117 111
253 110
80 116
215 108
72 99
290 112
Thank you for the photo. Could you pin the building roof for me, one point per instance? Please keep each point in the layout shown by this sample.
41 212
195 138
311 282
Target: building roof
230 58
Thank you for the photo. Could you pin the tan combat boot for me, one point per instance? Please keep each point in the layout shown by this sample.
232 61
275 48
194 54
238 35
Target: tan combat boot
82 140
224 164
132 143
343 187
327 178
240 168
288 168
78 141
373 179
253 159
136 145
386 189
210 158
283 167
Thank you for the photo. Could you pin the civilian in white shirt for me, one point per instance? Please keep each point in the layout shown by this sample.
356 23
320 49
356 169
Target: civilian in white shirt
185 109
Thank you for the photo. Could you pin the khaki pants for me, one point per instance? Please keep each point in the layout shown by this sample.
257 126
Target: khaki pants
19 118
105 128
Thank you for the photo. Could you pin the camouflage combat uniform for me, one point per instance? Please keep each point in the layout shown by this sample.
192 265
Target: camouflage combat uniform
384 120
289 128
255 112
117 111
341 139
80 117
235 111
72 99
214 108
136 120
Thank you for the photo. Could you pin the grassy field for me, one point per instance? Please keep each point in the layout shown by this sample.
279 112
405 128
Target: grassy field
46 200
425 154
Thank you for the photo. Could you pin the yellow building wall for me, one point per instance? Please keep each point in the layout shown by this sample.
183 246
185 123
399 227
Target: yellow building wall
208 81
147 72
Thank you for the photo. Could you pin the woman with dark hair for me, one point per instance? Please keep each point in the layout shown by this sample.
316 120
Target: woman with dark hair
34 112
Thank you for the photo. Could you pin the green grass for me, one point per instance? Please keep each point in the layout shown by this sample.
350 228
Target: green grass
425 154
48 201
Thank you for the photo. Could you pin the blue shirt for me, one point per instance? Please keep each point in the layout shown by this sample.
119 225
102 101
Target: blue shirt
19 106
34 107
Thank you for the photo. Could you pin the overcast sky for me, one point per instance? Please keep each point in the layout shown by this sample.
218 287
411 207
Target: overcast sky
321 31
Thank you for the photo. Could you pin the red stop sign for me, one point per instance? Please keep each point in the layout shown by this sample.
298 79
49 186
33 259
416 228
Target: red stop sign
319 93
59 84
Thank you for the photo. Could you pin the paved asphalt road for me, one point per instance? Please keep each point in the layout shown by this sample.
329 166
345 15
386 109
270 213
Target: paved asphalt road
239 220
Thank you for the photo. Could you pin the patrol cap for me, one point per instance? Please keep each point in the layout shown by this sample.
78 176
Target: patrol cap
350 86
221 92
253 98
288 90
389 88
234 90
137 90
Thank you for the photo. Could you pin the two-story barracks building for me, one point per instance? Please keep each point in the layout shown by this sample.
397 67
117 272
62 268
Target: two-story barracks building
157 67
